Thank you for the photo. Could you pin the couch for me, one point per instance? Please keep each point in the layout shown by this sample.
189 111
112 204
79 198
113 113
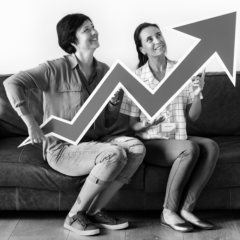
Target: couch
28 183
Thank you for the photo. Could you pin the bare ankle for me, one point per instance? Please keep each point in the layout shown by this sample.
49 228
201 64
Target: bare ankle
167 211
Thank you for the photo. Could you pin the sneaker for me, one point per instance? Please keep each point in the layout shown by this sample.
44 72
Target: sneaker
103 220
80 224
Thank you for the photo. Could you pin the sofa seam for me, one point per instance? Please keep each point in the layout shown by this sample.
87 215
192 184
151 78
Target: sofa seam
20 155
230 198
59 201
52 190
17 198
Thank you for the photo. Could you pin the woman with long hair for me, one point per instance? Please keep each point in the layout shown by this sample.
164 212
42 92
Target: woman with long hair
192 159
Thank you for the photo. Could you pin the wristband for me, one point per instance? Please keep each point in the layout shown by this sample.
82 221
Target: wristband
115 103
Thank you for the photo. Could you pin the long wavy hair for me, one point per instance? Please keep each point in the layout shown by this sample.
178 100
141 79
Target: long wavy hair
142 57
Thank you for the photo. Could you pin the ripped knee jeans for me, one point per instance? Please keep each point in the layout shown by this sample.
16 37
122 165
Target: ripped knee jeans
115 158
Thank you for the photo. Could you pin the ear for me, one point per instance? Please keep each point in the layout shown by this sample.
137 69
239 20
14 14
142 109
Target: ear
142 50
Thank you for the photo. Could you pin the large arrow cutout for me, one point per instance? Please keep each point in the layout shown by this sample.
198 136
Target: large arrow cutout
214 36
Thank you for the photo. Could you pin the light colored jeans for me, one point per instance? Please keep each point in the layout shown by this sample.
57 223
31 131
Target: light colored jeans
111 158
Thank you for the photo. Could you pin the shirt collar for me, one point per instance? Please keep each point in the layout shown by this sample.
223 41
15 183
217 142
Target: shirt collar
73 61
147 68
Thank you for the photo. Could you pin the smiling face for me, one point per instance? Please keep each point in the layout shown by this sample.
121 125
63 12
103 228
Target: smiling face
153 42
87 37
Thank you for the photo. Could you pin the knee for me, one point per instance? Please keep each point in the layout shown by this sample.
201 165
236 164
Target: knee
114 154
136 152
212 149
136 147
192 150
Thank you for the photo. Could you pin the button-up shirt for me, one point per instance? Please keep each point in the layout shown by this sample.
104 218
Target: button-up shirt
63 92
175 111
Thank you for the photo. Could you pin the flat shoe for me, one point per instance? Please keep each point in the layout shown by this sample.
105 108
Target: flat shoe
206 225
181 227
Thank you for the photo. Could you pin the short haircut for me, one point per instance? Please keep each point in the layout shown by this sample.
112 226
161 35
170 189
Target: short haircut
66 30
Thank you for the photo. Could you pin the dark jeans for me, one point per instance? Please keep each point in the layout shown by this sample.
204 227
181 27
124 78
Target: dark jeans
192 160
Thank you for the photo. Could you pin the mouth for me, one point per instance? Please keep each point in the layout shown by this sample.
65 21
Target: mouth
159 46
94 39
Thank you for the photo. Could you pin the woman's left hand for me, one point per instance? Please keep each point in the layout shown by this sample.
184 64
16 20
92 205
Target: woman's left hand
198 83
115 97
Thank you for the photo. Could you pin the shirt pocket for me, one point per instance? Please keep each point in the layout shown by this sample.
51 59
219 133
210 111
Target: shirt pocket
71 98
70 88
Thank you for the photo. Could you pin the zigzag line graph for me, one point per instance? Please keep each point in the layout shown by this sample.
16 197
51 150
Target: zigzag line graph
210 42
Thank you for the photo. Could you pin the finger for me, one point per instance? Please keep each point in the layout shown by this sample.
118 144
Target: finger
203 74
196 81
196 85
32 141
44 138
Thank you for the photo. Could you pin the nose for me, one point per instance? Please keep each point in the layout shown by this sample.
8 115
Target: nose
157 40
94 32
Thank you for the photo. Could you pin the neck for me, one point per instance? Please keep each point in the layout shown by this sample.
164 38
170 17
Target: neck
158 64
84 59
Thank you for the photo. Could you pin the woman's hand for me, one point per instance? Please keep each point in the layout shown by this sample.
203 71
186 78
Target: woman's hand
35 133
154 122
115 98
198 83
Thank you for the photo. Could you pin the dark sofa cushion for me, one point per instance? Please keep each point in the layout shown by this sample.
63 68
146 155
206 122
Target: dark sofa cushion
10 123
225 175
220 114
25 167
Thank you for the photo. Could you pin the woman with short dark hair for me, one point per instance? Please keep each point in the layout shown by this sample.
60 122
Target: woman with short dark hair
67 82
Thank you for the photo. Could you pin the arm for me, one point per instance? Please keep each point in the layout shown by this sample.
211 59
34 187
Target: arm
113 103
35 133
194 109
129 108
15 86
137 126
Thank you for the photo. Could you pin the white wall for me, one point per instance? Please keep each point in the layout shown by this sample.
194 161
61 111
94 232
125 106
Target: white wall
28 27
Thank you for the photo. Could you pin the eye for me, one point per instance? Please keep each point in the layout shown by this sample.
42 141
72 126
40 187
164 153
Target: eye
86 30
149 39
158 35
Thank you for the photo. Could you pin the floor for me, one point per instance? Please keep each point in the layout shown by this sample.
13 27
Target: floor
143 226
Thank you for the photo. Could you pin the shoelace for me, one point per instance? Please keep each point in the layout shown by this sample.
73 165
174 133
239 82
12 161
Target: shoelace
106 216
82 219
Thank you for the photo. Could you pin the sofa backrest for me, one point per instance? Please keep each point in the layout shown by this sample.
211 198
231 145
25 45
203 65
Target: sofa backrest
220 109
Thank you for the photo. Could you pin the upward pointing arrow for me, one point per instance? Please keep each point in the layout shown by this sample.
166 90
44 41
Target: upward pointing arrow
217 35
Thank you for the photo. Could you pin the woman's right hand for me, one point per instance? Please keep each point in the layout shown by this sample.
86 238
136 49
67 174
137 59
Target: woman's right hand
35 133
